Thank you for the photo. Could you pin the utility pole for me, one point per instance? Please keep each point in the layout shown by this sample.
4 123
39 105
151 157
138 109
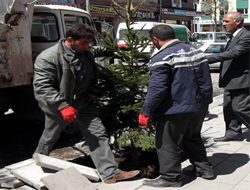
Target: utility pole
87 6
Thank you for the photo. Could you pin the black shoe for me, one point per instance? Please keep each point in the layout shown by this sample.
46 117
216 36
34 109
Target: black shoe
227 139
206 174
160 182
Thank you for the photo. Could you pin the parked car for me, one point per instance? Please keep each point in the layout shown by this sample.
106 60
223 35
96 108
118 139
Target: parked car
210 37
212 48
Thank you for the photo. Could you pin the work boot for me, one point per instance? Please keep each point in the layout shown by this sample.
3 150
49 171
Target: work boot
122 175
161 182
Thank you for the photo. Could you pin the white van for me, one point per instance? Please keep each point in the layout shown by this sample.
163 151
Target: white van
181 32
210 37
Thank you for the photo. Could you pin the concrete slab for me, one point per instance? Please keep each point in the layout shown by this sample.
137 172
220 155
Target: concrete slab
20 164
57 164
25 187
31 174
12 184
120 185
68 179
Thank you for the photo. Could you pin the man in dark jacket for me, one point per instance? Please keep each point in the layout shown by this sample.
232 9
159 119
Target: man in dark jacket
179 92
235 77
63 76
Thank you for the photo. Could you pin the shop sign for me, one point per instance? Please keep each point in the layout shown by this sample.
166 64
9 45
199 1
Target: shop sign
190 13
101 9
207 22
167 11
180 12
55 3
200 14
141 14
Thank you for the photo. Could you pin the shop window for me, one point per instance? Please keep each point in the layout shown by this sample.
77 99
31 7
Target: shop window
206 28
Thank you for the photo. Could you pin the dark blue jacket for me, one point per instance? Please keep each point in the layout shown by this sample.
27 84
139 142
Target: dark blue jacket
180 80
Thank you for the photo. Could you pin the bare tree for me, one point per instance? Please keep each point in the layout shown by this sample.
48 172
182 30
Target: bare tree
216 8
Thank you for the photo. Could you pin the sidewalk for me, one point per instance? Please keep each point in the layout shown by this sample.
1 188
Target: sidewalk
230 160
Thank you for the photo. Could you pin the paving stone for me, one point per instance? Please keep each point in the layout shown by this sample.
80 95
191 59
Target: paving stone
25 187
20 164
12 184
31 174
247 178
243 185
203 184
231 172
69 179
57 164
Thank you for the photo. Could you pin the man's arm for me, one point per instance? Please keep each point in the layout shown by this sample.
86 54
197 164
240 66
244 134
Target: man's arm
45 85
242 46
157 88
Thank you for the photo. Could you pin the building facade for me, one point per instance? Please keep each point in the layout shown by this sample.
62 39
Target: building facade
243 6
178 12
102 10
208 22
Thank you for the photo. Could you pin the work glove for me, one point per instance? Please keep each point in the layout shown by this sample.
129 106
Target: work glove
69 113
143 120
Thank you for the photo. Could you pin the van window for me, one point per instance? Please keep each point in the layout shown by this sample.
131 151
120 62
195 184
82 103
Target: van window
220 37
70 20
44 28
203 36
140 35
215 48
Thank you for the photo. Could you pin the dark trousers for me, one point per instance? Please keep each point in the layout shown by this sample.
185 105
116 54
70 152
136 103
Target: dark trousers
236 110
176 132
92 130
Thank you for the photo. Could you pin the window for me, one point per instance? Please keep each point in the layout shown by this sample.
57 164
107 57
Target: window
70 20
140 35
44 28
221 37
215 49
243 11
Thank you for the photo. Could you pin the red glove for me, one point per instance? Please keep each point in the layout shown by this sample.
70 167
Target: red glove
143 120
69 113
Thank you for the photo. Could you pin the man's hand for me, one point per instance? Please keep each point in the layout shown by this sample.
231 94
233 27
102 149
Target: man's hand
143 120
69 113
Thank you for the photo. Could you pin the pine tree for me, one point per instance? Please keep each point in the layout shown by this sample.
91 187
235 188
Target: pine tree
124 85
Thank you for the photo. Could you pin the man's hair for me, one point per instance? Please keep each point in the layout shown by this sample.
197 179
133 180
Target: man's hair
79 31
163 32
239 16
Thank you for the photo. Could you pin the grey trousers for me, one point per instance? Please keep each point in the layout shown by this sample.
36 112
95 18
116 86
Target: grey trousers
236 110
92 130
177 132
